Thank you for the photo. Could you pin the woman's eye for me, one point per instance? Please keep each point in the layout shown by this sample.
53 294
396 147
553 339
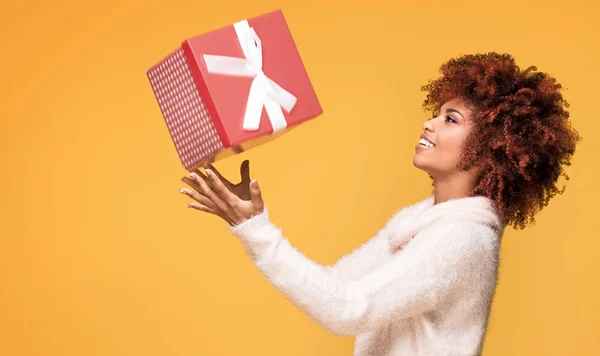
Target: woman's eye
450 118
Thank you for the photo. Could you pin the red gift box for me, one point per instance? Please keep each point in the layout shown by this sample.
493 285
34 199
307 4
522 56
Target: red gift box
233 88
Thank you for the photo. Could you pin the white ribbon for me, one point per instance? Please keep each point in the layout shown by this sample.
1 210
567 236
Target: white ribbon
264 91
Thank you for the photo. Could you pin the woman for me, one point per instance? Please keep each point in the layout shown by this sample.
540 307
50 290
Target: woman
495 148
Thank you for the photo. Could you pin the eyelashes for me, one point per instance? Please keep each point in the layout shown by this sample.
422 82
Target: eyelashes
448 118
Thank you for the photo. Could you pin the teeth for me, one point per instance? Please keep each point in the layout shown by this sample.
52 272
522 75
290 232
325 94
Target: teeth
425 143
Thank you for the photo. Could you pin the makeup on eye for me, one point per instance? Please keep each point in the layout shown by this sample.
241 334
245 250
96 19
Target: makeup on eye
447 118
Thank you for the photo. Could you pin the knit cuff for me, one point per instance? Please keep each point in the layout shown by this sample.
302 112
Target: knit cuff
256 228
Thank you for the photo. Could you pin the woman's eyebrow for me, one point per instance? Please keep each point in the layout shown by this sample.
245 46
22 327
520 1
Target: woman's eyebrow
456 111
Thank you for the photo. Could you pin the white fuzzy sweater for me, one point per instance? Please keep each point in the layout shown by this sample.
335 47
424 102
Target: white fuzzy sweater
422 286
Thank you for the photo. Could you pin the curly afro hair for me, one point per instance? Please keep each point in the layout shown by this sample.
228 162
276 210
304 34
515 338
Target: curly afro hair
521 131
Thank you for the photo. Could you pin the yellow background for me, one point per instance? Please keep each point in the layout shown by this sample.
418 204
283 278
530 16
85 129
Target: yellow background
99 255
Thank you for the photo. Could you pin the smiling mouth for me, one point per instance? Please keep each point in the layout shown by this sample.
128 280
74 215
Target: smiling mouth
424 143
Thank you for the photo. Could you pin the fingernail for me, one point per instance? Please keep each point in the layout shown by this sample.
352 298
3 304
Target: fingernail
193 176
209 172
254 184
183 191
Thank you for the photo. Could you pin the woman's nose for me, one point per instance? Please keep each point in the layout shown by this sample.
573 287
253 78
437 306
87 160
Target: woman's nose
428 125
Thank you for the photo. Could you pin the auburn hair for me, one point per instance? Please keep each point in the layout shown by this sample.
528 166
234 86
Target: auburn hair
521 130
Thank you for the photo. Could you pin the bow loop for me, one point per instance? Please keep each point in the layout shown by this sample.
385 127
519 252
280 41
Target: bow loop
264 92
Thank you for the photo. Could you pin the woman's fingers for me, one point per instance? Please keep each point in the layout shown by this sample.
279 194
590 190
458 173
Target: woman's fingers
203 200
201 207
256 195
200 174
204 204
219 175
191 182
206 191
224 194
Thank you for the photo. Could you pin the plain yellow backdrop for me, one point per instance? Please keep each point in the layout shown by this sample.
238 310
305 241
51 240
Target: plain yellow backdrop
99 255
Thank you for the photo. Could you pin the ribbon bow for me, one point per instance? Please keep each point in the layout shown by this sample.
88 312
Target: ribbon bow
263 91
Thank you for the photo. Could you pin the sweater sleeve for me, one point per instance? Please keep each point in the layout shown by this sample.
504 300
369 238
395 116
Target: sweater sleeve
368 256
410 284
362 260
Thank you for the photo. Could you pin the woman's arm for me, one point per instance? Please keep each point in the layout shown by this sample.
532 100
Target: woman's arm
408 285
363 259
367 257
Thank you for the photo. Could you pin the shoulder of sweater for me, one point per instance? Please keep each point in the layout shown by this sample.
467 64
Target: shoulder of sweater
411 208
469 231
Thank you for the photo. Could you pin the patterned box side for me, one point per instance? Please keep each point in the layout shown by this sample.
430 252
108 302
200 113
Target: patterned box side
185 114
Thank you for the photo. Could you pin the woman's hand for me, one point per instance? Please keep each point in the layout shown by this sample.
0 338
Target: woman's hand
215 194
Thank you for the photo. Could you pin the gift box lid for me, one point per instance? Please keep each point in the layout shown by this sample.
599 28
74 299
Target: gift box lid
226 96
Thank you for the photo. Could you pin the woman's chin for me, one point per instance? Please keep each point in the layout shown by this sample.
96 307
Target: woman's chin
420 164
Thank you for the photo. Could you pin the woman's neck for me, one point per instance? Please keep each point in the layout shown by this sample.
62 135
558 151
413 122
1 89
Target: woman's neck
459 185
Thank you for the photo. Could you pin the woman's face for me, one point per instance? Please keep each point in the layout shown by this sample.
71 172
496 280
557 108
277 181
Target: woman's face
445 134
